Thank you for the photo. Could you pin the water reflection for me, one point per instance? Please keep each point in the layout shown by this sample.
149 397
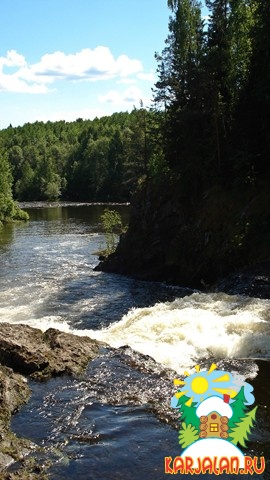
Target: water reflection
86 214
6 234
47 214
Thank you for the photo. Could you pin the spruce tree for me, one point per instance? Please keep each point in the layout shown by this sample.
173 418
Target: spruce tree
188 414
242 430
239 408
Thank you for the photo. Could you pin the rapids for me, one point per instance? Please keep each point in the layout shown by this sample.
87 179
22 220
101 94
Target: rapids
107 422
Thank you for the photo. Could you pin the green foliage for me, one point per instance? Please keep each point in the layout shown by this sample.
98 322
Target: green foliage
112 225
239 434
90 160
187 435
5 179
212 83
188 414
9 210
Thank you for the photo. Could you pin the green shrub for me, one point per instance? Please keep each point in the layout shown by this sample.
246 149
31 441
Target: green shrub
113 227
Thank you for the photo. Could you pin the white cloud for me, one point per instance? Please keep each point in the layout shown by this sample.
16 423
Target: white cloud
126 81
150 77
91 65
87 64
111 97
130 95
13 59
206 18
127 67
11 83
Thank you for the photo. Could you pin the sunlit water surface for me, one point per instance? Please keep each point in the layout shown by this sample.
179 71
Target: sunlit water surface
116 421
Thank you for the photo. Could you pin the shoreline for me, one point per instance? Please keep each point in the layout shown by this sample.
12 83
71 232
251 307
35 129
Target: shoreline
64 204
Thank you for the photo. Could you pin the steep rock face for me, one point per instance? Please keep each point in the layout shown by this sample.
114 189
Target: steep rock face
193 242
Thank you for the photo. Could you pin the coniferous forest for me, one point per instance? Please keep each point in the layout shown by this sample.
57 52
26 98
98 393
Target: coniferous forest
196 163
203 211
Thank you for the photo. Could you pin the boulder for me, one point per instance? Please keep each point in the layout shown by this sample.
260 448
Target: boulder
14 392
30 351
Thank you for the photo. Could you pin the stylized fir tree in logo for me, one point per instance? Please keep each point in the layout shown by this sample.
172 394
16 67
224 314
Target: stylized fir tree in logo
241 422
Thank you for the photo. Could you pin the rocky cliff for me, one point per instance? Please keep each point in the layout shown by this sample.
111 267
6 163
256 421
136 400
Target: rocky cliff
193 242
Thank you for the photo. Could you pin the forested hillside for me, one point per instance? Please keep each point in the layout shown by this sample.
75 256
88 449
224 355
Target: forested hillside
197 162
99 160
9 210
204 211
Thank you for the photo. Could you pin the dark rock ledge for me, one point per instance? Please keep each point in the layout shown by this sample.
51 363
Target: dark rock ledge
28 351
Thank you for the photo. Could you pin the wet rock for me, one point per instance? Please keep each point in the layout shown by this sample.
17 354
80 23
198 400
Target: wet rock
253 282
14 392
29 351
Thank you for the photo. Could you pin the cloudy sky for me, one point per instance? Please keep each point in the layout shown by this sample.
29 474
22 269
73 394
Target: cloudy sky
65 59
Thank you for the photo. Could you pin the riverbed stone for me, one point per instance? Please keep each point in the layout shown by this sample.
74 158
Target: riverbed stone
14 392
253 282
41 355
29 351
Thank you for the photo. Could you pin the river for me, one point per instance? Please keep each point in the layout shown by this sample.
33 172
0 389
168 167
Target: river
116 422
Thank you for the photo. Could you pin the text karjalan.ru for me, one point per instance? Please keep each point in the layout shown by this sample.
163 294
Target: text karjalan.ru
215 465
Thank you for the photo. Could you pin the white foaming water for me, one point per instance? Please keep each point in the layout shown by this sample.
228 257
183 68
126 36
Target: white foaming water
176 334
192 328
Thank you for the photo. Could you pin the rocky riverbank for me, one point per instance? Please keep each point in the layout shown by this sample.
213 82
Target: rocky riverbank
196 243
253 282
26 351
41 356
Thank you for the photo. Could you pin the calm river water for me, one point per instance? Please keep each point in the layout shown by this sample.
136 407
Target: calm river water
116 422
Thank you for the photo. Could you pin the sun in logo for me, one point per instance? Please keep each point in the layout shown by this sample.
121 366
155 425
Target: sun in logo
203 384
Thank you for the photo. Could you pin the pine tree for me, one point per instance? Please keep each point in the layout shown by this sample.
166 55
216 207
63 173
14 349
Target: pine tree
240 432
241 24
253 122
179 86
239 408
228 61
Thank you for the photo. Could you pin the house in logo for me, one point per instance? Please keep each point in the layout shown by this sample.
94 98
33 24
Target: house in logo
214 414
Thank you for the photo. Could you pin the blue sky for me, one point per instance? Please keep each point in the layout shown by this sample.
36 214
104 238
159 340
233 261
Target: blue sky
65 59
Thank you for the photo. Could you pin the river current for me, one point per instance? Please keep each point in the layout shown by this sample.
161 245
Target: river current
116 421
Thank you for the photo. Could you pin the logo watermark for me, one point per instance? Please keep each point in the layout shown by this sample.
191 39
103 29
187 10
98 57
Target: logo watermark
216 421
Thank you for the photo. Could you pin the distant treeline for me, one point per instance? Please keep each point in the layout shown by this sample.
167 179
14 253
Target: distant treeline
98 160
